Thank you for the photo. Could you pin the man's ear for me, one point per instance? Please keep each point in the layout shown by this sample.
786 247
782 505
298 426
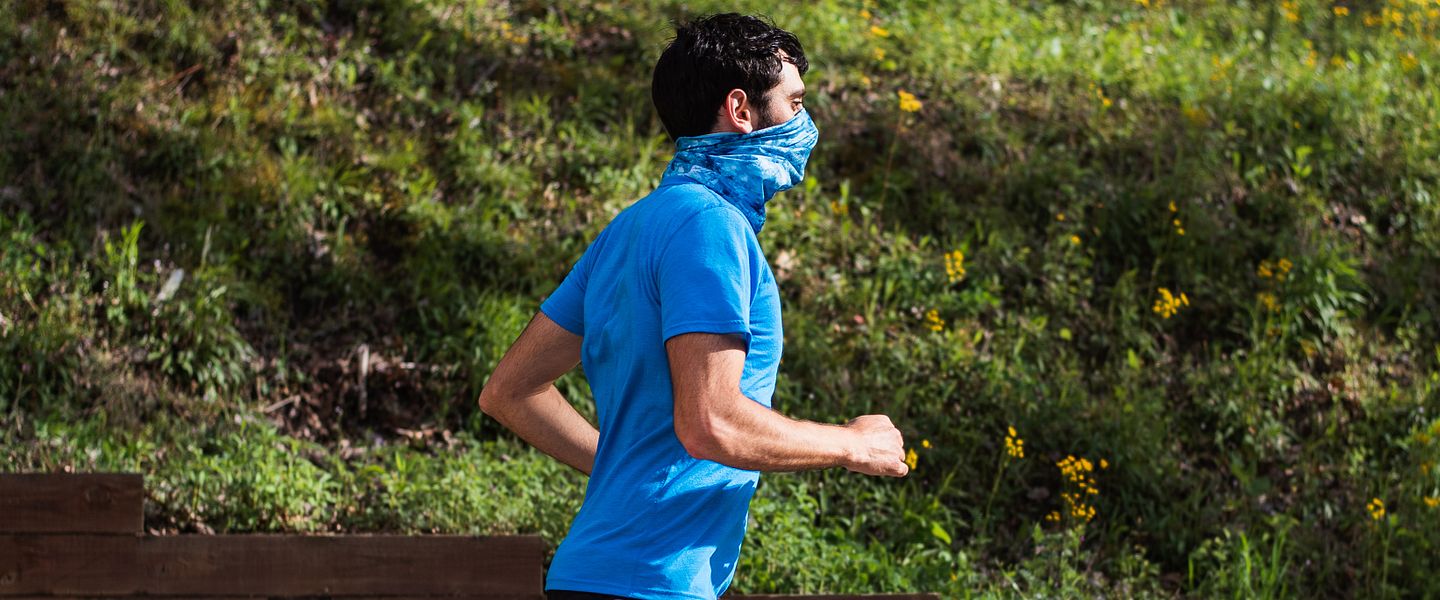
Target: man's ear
737 113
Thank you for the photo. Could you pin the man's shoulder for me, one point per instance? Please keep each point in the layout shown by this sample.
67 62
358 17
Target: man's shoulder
686 196
676 205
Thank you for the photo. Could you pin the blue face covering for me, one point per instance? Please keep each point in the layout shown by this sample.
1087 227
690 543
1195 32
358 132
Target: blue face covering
748 168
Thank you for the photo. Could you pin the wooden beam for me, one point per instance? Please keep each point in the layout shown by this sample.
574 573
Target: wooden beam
495 568
71 503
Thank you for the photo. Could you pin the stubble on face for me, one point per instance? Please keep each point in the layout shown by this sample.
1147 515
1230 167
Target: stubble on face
782 102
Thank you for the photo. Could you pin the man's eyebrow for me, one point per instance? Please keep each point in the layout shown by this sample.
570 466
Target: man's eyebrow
798 93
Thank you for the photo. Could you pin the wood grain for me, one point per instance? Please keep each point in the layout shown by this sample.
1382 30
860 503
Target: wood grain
72 503
272 565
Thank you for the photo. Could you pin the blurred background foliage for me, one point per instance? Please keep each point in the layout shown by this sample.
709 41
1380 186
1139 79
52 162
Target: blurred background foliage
1151 287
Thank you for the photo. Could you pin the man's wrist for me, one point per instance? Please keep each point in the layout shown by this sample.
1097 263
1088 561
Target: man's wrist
847 446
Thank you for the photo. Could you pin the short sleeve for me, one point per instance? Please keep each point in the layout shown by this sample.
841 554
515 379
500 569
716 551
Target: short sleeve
706 276
566 305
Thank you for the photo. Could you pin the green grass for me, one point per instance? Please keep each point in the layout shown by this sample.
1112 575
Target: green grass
405 180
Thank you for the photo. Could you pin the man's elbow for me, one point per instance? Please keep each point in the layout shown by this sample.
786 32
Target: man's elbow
703 439
490 399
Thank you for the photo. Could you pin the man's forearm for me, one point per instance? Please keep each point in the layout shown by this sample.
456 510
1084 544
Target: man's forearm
751 436
546 420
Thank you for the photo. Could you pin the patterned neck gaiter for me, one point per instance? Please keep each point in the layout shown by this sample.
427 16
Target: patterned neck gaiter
747 169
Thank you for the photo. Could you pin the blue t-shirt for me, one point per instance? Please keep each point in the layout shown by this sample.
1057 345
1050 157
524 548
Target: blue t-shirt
657 523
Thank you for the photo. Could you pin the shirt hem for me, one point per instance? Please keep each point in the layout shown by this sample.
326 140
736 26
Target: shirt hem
563 321
603 588
716 327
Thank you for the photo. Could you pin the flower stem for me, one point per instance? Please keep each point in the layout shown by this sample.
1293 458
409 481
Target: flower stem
995 487
890 158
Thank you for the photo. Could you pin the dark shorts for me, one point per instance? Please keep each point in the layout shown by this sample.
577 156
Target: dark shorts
573 595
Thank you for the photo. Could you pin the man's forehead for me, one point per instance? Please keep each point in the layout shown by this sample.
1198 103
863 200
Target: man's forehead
790 81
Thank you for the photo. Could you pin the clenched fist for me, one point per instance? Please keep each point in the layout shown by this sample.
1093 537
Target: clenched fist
878 447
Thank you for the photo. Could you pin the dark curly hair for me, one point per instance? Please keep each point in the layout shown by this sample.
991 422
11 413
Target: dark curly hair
712 55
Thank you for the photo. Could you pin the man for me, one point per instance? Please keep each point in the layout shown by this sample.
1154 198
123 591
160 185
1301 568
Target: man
676 315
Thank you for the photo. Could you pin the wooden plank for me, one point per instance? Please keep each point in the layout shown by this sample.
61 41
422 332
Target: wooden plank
495 568
71 503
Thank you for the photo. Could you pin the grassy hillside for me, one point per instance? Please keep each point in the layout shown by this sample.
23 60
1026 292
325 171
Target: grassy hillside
1152 288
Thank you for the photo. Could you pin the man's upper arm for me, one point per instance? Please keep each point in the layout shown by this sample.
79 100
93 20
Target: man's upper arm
542 353
706 277
705 370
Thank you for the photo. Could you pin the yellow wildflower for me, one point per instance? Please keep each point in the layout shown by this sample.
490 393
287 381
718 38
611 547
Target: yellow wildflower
955 265
879 31
1014 446
925 444
1291 10
1341 11
1100 93
933 318
1168 304
1408 62
1077 472
1075 239
1432 501
865 13
1376 508
1173 208
1265 270
1268 300
908 103
1104 464
839 208
911 459
878 53
1060 216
